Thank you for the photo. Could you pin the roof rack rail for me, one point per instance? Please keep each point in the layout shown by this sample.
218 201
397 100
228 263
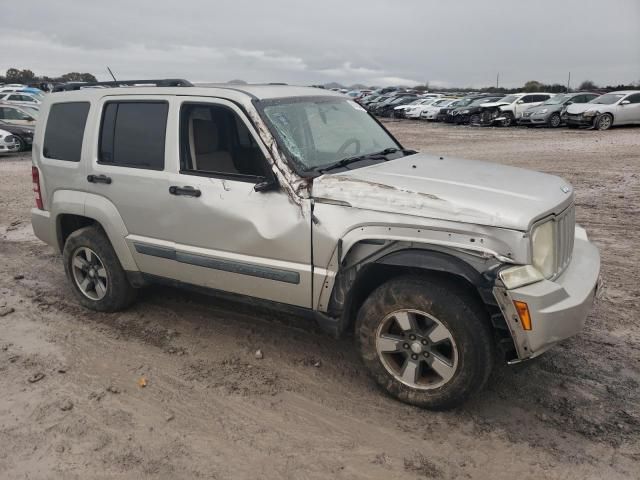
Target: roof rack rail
164 82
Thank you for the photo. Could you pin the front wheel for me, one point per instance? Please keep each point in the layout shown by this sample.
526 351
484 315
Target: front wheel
604 122
509 120
22 145
427 343
554 120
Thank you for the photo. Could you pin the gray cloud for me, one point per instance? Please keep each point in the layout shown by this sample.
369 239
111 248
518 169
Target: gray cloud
463 43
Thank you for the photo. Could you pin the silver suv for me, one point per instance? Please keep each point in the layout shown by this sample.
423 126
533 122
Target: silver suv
298 198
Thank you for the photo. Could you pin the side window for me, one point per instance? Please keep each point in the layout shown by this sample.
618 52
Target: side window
65 129
576 99
13 114
216 141
635 98
132 134
588 97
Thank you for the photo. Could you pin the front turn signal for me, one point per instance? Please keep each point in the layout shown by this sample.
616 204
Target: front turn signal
523 312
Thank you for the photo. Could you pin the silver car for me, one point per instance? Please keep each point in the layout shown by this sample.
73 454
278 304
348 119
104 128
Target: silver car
606 111
300 200
551 112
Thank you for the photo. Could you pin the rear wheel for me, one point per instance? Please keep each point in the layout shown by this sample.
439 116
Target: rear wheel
604 122
554 120
92 266
426 343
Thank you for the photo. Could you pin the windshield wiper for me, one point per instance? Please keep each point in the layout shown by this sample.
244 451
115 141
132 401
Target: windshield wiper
369 156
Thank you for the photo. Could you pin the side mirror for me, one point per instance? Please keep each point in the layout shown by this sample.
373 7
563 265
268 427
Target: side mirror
266 185
625 102
520 101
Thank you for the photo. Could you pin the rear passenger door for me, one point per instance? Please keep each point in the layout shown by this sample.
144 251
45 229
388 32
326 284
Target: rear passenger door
127 171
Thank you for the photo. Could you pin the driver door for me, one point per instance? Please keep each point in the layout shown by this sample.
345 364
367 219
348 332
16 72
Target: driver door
228 236
630 112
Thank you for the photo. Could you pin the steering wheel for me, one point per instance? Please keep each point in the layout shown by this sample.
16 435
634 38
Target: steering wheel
348 143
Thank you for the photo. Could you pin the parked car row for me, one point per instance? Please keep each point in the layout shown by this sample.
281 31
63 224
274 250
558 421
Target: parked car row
19 110
575 109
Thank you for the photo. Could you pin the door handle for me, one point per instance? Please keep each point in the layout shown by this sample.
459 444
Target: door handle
185 191
99 179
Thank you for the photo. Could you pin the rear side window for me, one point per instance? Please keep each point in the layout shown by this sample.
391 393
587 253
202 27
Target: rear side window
133 134
65 129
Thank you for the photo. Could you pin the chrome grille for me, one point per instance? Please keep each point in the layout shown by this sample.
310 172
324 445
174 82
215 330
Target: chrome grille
564 226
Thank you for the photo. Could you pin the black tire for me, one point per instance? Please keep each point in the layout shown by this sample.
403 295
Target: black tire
475 119
604 121
454 308
509 119
554 120
119 292
22 145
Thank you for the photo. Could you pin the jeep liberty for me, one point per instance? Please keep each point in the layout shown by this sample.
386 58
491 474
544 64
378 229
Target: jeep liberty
297 198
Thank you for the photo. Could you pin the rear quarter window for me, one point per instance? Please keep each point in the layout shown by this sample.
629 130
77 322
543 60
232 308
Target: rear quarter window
65 130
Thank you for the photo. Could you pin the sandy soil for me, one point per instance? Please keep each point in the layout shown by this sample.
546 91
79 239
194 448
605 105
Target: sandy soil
71 405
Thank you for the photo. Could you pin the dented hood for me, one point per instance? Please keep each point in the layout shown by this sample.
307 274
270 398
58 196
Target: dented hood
583 107
494 104
454 189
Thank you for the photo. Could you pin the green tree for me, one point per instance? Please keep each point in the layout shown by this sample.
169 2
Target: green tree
13 75
532 86
78 77
587 85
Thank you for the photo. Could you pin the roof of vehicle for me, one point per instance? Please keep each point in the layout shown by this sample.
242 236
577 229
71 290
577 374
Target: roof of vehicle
254 91
624 92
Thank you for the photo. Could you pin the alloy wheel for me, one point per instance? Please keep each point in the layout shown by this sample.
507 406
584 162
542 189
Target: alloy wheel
417 349
89 273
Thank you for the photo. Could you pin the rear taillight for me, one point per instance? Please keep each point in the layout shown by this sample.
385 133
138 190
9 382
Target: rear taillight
35 178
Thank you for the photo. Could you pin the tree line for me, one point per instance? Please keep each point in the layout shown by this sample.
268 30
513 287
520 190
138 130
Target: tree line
26 76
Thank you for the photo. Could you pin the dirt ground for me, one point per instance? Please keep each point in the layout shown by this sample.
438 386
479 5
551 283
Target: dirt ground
71 406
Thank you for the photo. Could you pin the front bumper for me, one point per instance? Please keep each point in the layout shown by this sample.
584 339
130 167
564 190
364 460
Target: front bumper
533 120
558 308
578 120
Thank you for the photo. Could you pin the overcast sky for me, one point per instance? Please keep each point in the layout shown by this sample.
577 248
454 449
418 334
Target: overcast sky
448 43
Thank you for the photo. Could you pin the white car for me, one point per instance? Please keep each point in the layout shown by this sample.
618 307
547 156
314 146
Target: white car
18 115
430 112
20 98
8 142
605 111
509 109
416 112
400 109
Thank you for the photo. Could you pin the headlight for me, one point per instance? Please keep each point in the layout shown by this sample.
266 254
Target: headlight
542 245
590 113
514 277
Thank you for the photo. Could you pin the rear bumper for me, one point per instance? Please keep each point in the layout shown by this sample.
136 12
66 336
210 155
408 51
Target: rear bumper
43 226
558 308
